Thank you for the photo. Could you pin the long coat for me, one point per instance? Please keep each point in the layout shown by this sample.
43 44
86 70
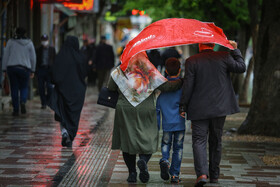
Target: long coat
135 128
68 75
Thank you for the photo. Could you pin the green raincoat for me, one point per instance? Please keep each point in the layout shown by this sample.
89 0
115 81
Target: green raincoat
135 128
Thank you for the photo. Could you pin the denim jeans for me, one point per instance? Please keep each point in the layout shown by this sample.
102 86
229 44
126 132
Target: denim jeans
43 83
19 77
177 137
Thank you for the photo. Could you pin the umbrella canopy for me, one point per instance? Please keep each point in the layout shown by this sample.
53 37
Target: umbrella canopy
172 32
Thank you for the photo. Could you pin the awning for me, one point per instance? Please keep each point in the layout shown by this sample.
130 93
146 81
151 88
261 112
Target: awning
64 9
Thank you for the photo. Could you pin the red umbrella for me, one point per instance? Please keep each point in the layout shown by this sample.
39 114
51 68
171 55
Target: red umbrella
172 32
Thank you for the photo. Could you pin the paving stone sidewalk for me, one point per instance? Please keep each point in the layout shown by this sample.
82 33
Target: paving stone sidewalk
31 154
241 164
30 145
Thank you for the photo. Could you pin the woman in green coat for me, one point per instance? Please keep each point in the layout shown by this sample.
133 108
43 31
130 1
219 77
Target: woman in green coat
135 125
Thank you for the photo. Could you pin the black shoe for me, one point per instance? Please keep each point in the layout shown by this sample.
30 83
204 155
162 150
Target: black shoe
15 114
132 178
22 108
64 138
144 174
66 142
175 179
164 170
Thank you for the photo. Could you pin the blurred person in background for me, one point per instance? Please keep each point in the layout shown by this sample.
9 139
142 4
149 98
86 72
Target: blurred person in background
104 61
19 62
155 58
68 75
88 49
45 58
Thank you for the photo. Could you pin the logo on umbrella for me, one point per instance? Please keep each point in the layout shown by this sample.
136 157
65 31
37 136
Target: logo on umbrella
143 40
204 33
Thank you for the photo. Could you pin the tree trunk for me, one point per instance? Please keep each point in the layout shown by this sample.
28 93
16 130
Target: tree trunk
253 7
243 98
263 117
242 39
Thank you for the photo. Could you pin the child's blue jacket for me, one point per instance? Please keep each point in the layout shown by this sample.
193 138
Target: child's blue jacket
168 107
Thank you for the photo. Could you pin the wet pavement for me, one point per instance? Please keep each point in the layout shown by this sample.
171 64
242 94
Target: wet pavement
31 153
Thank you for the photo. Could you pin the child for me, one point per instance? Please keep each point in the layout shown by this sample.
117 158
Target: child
173 125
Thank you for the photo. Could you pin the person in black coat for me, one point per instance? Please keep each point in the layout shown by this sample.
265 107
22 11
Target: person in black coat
169 53
68 75
45 57
207 98
89 51
155 58
104 61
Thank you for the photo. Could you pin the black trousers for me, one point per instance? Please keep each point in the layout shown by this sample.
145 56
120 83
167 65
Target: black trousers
130 160
102 77
213 130
44 83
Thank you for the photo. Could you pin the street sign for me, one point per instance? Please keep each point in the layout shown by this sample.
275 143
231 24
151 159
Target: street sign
86 5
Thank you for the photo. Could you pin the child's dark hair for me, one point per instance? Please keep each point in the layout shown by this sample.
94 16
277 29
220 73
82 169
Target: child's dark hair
172 66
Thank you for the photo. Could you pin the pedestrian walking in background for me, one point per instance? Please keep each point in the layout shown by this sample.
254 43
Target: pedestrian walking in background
155 58
135 126
85 49
173 125
19 63
45 58
88 50
68 75
104 61
207 98
92 75
169 53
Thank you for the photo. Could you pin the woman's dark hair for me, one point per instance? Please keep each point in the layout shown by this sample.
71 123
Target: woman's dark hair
172 66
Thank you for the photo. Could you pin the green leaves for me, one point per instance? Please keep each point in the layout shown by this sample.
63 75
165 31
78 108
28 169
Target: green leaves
228 14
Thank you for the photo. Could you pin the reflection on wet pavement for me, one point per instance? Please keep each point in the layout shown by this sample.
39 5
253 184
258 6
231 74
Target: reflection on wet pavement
30 145
31 153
